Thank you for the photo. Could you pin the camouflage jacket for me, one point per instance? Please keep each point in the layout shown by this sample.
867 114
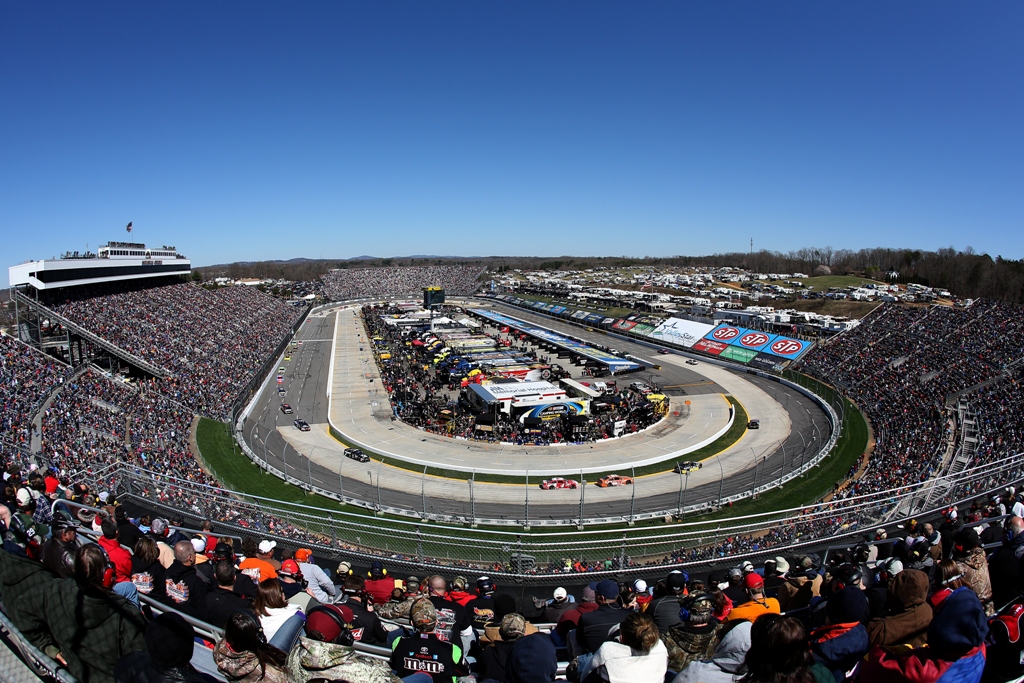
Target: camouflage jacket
314 659
686 645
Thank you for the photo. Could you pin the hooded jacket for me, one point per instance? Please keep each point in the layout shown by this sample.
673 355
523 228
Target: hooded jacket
185 590
314 659
726 665
955 652
119 556
908 624
92 628
493 661
840 647
532 660
244 667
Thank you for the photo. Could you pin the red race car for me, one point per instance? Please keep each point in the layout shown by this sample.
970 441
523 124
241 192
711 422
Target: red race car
559 483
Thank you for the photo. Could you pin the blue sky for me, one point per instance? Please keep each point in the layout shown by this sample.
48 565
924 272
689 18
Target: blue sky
243 131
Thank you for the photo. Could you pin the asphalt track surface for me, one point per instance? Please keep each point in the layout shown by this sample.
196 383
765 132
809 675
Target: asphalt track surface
800 428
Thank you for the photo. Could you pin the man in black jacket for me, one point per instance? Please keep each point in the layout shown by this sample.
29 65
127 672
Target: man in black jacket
1004 565
127 533
595 627
169 645
59 551
664 609
366 626
185 590
222 601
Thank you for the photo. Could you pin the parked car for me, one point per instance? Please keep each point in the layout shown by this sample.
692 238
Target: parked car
754 424
614 480
286 409
301 425
559 483
356 455
687 466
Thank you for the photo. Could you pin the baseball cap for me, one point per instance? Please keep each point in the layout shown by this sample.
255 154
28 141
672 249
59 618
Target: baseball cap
319 621
303 554
290 568
412 584
607 589
701 603
753 580
560 594
24 497
588 594
199 544
267 546
512 626
781 565
639 586
377 568
104 496
422 613
459 583
676 581
344 567
735 573
747 567
159 526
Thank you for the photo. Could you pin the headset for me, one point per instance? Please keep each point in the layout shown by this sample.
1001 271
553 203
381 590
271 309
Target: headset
846 575
345 636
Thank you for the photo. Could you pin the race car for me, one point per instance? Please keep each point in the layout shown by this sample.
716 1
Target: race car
664 351
301 425
559 483
287 358
286 409
356 455
691 362
754 424
281 391
280 370
614 480
687 466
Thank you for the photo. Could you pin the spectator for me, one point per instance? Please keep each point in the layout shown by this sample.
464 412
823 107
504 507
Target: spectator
973 566
503 605
92 628
664 609
908 616
158 532
323 588
185 590
802 584
493 660
257 565
222 601
170 641
595 627
294 586
423 651
326 651
481 608
1004 564
778 652
453 621
756 603
148 575
637 657
244 656
695 637
726 665
554 609
955 649
532 660
271 607
379 584
59 551
458 591
366 626
119 556
843 641
128 533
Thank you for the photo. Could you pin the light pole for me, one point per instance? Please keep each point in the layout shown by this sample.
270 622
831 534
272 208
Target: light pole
309 467
632 497
686 486
341 481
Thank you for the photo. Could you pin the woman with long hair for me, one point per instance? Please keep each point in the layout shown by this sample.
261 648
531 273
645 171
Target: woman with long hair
779 653
147 572
271 607
638 656
244 656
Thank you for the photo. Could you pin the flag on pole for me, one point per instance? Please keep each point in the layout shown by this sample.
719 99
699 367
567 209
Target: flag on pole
129 226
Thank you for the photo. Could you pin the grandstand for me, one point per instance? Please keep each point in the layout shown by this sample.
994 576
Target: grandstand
186 351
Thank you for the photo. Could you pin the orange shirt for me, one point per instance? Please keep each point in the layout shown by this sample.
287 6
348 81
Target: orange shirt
752 609
257 569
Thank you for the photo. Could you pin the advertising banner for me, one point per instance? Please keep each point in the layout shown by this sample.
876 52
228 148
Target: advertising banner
767 362
682 332
738 354
710 346
558 309
753 340
624 325
726 333
593 318
580 315
643 329
789 349
608 321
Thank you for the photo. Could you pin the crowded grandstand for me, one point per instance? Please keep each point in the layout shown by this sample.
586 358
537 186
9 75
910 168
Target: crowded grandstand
93 453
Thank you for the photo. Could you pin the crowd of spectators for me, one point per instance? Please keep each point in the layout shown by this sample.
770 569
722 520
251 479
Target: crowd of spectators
424 395
211 341
27 378
388 282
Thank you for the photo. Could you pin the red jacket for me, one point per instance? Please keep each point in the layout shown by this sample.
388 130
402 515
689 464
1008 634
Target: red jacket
119 556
